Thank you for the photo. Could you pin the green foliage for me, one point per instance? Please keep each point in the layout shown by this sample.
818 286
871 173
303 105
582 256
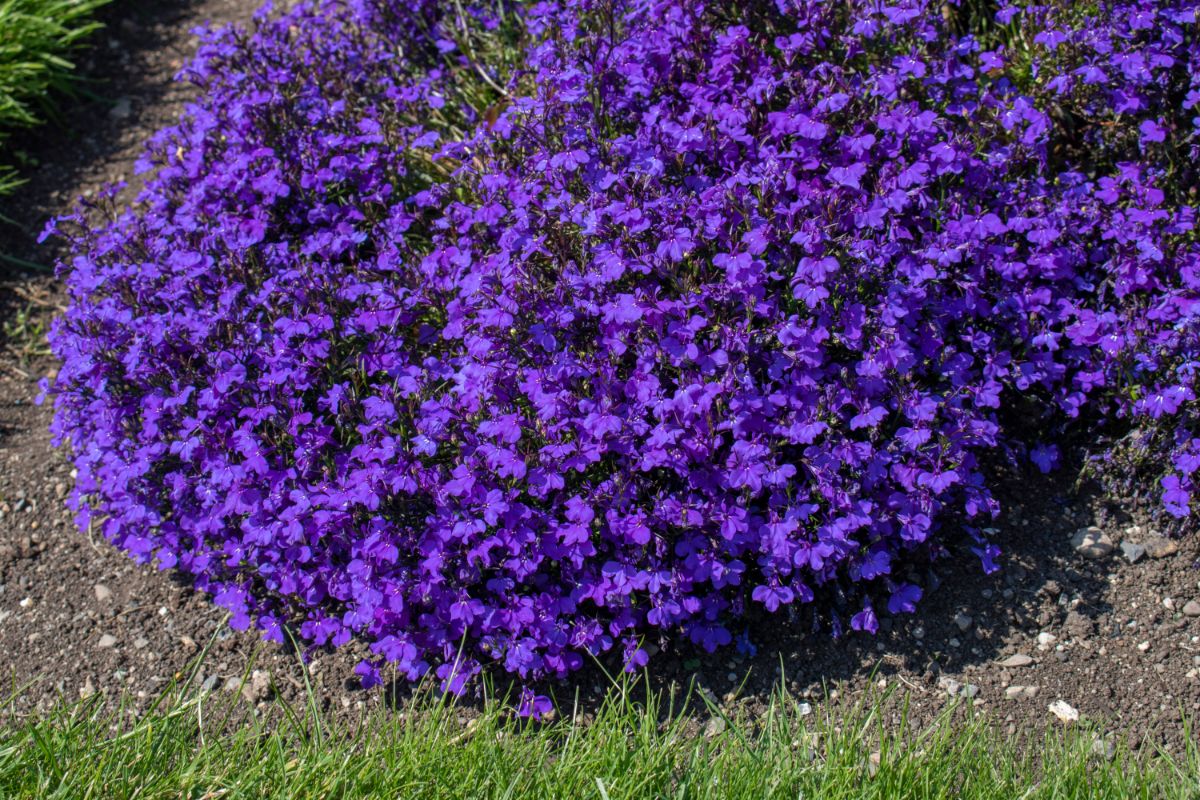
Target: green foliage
627 749
35 37
25 333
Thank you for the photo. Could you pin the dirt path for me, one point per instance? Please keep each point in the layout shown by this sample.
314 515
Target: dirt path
1116 640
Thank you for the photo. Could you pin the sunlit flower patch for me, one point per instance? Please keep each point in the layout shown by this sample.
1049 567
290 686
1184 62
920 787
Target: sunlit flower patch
516 334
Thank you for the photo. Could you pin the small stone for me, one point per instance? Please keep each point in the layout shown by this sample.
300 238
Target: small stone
804 708
231 684
1052 588
1191 609
1091 543
102 592
732 677
258 687
1045 639
963 621
1161 547
1019 692
949 686
918 632
210 683
107 640
873 761
1065 712
1018 660
1169 603
189 644
140 643
1144 646
715 727
1104 748
87 690
26 603
1133 551
969 691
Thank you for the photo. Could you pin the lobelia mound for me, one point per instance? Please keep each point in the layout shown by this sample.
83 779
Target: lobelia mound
516 333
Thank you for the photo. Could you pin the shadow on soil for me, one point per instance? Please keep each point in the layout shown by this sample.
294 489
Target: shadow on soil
124 94
966 621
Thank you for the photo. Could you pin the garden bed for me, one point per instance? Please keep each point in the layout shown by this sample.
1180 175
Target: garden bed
1109 637
83 591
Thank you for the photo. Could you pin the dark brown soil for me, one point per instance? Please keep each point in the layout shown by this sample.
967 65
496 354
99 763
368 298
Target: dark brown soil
1107 636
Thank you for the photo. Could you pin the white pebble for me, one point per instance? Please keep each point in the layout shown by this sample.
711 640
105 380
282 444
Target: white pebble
1064 711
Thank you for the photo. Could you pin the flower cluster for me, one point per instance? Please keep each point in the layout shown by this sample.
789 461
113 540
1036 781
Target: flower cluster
518 333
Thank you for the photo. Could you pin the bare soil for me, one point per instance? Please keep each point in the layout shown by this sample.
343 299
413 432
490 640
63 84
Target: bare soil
78 618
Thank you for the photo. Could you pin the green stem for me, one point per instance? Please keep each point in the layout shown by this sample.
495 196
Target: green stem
20 262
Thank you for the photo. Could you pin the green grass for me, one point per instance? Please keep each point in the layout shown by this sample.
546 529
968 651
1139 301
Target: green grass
35 38
624 749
